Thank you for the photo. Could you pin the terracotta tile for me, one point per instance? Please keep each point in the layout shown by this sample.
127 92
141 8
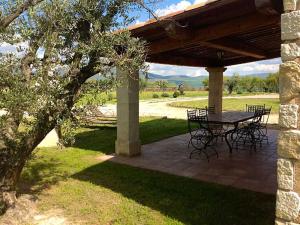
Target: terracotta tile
244 169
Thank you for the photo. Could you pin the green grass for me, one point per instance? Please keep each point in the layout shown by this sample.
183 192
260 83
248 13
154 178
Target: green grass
146 95
93 192
231 104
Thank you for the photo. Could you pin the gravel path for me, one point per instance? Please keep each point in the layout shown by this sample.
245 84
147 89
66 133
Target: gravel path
160 107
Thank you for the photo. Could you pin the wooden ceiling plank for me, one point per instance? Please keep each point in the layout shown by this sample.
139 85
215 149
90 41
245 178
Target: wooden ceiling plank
236 47
235 26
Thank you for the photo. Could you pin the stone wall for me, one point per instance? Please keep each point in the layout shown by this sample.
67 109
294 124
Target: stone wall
288 164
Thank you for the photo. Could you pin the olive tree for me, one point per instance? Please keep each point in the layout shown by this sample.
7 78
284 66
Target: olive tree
65 42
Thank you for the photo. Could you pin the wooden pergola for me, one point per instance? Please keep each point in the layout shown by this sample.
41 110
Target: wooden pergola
218 34
221 33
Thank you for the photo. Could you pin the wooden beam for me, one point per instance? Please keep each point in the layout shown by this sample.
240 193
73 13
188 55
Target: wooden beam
216 31
180 60
236 47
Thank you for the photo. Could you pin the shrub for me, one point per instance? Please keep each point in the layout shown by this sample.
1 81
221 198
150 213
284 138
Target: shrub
109 96
165 95
176 94
155 95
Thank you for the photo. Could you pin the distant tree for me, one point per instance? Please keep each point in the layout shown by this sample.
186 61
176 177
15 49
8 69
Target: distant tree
162 84
272 82
181 88
205 83
232 82
143 84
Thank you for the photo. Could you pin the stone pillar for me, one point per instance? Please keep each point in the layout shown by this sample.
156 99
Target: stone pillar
288 164
215 85
128 142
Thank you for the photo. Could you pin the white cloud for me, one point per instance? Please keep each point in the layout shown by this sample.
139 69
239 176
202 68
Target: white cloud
167 70
173 8
267 66
180 6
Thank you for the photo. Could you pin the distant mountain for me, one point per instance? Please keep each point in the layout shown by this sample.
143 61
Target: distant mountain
195 82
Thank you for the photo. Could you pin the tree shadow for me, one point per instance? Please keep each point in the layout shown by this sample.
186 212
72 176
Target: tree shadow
97 138
102 138
40 175
186 200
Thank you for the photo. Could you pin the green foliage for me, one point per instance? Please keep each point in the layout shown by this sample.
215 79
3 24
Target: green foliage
143 84
155 95
64 44
205 82
176 94
162 84
232 82
181 88
251 84
235 104
272 82
165 95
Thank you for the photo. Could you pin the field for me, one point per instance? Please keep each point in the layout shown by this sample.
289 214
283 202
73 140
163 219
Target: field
231 104
111 97
89 191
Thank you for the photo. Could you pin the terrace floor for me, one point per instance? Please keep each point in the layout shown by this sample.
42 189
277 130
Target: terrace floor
245 169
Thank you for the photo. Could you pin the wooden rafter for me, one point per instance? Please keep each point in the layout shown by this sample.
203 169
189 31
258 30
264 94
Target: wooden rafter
216 31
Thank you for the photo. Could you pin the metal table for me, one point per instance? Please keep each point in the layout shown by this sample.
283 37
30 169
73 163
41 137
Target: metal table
230 118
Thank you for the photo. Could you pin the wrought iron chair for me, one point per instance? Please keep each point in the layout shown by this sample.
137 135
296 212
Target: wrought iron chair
201 135
250 133
254 108
263 126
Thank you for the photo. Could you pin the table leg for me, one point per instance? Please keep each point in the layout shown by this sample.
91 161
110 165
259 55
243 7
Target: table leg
231 132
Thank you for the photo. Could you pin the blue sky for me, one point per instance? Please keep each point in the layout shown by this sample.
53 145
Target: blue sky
167 6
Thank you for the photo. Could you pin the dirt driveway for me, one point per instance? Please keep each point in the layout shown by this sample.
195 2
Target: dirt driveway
160 107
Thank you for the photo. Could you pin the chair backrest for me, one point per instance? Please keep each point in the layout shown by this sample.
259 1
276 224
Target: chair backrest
265 117
198 116
192 114
254 108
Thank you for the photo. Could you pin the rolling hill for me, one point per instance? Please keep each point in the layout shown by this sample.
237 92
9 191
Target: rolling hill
195 82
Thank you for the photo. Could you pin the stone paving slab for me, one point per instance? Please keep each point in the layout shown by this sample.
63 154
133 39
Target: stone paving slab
245 169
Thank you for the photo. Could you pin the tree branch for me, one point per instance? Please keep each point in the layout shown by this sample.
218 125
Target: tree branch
7 20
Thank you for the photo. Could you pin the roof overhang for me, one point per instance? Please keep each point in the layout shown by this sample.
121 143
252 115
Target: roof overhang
220 33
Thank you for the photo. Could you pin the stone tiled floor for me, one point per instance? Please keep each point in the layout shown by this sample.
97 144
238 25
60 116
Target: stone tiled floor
244 169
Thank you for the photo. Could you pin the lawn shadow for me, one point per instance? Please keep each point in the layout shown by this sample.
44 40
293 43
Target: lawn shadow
102 138
186 200
40 175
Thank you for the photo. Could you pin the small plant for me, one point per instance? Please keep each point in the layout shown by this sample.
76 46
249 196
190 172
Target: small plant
165 95
176 94
110 97
155 95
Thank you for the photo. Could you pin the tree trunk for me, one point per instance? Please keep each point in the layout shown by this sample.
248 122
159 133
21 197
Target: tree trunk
10 173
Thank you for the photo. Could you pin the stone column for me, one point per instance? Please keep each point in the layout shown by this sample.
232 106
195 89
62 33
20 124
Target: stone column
288 164
215 85
128 142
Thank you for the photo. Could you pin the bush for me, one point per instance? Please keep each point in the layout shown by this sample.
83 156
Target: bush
155 95
165 95
176 94
109 96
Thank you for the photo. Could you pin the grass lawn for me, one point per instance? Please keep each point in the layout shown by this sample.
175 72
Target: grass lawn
146 95
93 192
231 104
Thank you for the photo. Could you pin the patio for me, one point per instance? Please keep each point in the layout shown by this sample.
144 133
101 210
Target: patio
245 169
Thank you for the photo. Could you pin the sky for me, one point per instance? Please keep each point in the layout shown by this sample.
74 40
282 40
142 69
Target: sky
163 7
168 6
